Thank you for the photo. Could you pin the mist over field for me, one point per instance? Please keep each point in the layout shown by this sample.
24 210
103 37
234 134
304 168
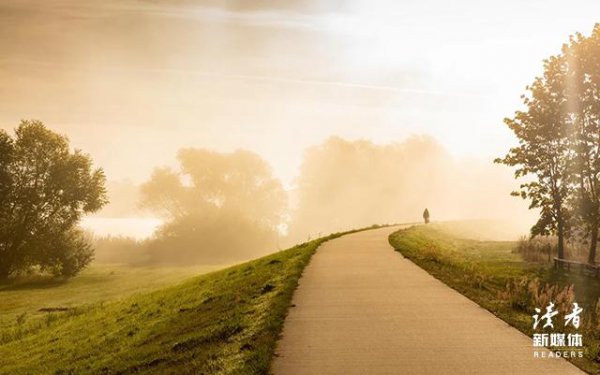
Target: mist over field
346 184
341 185
276 187
363 112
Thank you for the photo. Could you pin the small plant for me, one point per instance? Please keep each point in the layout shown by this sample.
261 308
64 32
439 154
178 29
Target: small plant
431 253
479 280
525 294
50 317
21 319
516 293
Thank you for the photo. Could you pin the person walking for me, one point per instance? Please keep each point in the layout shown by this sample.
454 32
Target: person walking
426 216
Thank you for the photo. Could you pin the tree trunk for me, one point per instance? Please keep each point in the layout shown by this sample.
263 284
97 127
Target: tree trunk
593 245
561 240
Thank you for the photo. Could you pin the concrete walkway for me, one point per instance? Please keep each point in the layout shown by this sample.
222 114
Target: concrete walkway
361 308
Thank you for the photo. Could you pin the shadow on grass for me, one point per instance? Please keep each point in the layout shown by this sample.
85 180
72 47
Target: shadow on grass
32 282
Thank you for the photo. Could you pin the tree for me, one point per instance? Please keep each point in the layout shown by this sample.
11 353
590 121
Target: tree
44 191
582 66
544 151
559 142
214 201
346 184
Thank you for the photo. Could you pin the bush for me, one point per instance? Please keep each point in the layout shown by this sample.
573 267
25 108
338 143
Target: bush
210 238
67 253
216 237
45 189
77 253
119 249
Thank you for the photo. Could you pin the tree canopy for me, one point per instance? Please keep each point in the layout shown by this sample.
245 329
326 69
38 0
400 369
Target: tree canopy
217 206
559 143
45 188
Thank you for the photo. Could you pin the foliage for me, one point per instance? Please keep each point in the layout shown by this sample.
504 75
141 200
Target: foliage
582 70
44 190
207 179
544 151
211 198
559 143
525 294
215 236
119 250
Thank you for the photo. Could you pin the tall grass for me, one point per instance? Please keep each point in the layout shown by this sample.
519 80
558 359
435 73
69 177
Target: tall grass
543 249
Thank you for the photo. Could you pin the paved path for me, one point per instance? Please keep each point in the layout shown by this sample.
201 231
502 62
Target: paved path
361 308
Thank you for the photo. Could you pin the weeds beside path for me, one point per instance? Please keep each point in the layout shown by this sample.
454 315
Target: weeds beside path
497 278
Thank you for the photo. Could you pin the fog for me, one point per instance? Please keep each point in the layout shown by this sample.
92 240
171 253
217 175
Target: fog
413 94
226 207
351 184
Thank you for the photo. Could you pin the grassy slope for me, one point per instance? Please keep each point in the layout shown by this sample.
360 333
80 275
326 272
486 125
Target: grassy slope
98 283
225 322
481 269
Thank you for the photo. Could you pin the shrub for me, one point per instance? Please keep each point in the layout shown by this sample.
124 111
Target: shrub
119 249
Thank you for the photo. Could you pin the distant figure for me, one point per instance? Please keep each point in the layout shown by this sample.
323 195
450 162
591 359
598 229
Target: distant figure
426 216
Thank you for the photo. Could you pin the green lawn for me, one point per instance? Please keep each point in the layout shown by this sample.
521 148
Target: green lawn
22 299
493 275
225 322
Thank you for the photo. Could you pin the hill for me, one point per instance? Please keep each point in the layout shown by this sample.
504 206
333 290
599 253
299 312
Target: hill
25 299
225 322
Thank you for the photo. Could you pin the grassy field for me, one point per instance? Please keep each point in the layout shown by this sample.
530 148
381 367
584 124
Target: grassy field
22 299
493 275
225 322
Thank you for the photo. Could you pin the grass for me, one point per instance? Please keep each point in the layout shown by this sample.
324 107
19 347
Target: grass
23 298
225 322
493 275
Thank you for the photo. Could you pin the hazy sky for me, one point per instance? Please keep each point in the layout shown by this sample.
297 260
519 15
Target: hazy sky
131 82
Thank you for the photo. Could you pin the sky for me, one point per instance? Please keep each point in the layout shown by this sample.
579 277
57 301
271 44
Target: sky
131 82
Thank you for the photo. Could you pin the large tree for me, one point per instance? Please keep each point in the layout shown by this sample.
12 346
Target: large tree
582 61
543 154
45 188
559 142
219 207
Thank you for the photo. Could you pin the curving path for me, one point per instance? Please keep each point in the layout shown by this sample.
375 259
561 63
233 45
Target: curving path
361 308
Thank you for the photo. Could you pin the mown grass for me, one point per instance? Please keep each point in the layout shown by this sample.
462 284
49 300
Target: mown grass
225 322
491 273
